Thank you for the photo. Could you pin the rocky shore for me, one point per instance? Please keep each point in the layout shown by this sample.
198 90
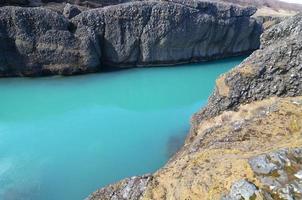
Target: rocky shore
247 142
37 41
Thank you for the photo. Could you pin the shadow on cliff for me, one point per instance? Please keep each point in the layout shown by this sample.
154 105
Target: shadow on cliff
11 60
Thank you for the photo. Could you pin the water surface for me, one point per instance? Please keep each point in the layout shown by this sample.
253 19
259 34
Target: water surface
61 138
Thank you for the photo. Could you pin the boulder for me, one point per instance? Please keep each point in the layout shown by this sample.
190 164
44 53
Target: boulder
71 11
273 70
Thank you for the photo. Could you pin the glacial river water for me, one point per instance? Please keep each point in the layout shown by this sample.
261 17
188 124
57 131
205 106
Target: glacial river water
61 138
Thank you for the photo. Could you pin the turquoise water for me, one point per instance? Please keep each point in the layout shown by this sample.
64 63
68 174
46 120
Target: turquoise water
61 138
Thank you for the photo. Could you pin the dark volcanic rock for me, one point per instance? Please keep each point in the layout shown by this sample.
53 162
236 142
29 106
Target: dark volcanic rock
273 70
37 41
14 2
151 33
71 11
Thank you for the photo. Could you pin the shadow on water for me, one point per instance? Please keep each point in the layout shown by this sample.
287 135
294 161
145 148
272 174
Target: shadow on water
175 142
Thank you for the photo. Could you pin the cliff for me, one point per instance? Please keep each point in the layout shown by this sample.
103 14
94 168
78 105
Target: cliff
38 41
246 143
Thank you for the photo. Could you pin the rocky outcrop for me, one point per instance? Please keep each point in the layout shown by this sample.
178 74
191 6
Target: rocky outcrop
71 11
252 153
130 188
156 33
273 70
269 21
246 143
36 41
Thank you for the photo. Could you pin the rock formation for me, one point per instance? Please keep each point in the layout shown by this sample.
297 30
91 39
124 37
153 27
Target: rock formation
273 70
247 142
37 41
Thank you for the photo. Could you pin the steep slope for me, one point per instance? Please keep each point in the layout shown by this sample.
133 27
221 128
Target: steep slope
37 41
247 142
273 70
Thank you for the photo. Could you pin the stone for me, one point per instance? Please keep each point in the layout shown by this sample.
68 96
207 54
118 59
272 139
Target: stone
71 11
242 190
128 189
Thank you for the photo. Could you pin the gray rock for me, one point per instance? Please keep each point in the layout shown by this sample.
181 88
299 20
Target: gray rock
156 33
242 190
14 2
128 189
36 41
71 11
273 70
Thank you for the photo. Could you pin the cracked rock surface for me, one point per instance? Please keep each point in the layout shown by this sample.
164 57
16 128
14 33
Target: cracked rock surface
38 41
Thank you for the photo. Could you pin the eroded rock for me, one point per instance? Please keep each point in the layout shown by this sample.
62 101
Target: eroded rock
154 32
37 41
71 11
273 70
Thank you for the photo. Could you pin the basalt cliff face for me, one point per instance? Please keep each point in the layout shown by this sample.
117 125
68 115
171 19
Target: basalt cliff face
247 142
38 41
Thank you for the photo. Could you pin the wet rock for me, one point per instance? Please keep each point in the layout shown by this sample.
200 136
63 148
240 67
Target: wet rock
285 182
261 165
37 41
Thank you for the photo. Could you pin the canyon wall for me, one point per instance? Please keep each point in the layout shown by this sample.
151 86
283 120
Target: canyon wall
38 41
